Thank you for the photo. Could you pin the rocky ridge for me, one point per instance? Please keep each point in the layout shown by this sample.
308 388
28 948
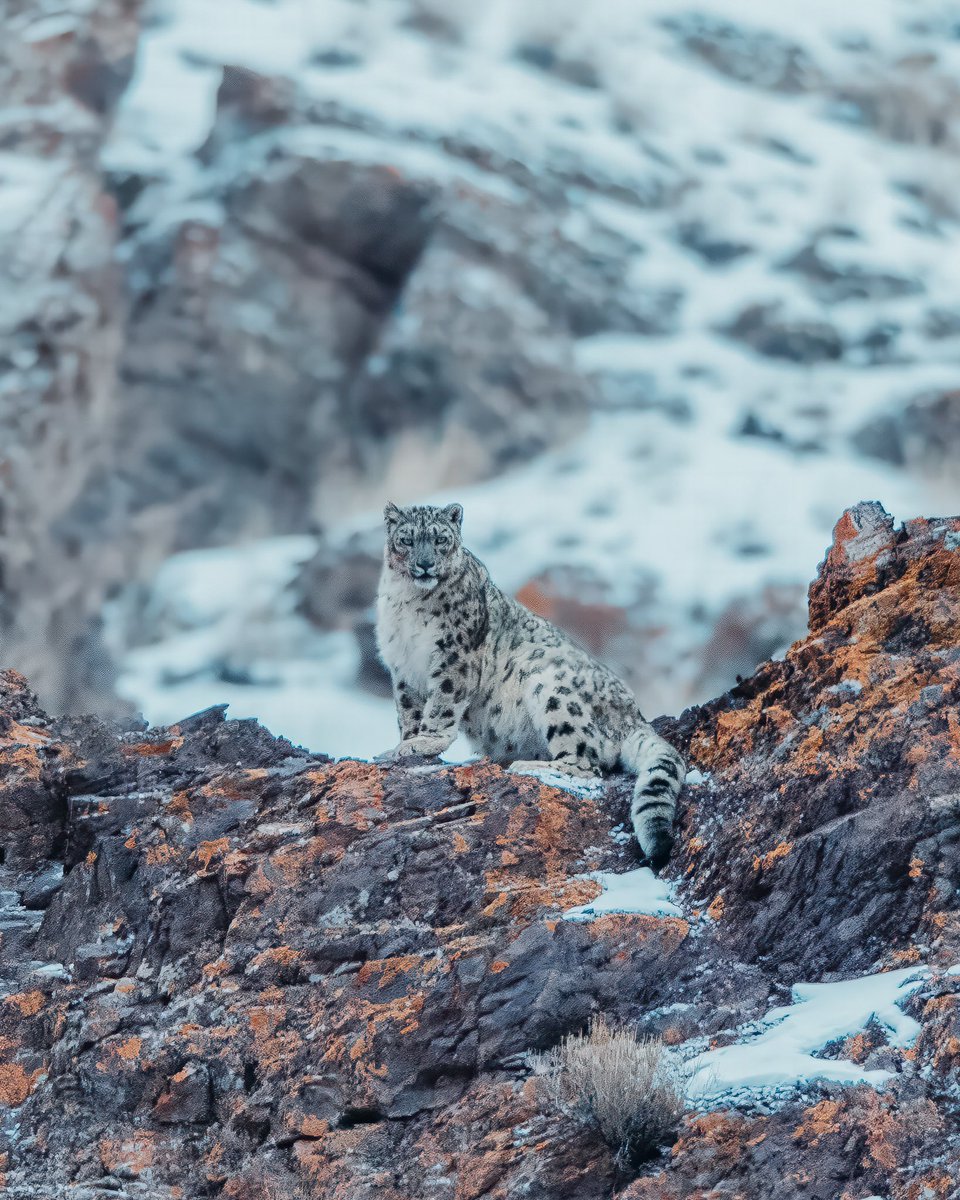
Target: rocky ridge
234 968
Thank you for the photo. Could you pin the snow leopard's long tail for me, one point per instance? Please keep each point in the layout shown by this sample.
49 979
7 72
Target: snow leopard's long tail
660 773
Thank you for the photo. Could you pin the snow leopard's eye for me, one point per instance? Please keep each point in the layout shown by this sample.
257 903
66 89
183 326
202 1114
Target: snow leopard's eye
443 540
405 539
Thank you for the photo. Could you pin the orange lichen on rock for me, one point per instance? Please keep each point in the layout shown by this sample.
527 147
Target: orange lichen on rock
350 789
722 1134
292 863
179 805
284 957
28 1004
730 740
134 1154
857 1048
953 727
127 1051
152 749
885 1135
526 896
906 957
209 852
386 970
716 907
404 1011
632 931
819 1121
159 855
16 1084
765 861
935 1185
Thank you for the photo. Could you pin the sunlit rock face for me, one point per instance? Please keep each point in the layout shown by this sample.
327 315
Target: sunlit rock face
232 967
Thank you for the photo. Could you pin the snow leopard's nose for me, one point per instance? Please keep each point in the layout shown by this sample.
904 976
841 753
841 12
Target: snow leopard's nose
423 566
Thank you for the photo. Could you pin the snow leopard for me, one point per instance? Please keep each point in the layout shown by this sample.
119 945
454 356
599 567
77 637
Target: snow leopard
463 655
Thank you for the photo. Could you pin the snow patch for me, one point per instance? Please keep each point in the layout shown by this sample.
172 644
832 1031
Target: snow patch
638 891
782 1046
566 783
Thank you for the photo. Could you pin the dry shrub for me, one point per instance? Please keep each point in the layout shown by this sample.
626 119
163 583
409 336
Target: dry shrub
629 1087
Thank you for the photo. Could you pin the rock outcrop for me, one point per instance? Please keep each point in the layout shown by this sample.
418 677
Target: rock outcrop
234 968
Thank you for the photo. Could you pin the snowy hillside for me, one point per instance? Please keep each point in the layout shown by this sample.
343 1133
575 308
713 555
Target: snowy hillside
740 223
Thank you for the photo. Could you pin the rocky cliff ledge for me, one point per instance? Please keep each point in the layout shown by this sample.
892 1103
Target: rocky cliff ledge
232 968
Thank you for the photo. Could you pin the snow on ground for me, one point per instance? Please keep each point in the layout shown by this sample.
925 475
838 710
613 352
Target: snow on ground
638 891
779 1052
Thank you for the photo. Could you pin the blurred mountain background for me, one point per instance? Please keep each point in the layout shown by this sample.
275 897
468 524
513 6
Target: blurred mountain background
654 289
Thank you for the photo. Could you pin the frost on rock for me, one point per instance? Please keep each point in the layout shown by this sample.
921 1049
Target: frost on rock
780 1054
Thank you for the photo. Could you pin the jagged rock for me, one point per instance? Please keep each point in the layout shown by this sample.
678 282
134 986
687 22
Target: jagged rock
923 436
834 284
713 248
762 327
755 56
266 973
479 366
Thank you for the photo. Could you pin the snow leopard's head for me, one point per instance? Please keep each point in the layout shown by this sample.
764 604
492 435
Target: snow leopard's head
423 542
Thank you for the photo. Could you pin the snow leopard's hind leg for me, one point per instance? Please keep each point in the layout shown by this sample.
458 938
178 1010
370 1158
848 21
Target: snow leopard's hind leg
565 725
660 773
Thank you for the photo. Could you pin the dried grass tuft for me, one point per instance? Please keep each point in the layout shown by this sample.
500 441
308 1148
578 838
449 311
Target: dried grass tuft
629 1087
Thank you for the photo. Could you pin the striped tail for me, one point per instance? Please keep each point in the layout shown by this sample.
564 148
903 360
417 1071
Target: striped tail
660 772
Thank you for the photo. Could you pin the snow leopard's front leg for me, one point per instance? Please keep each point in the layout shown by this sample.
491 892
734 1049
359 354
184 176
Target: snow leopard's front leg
409 702
447 697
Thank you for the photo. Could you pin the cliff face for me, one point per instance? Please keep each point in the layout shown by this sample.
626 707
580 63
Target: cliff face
60 333
233 968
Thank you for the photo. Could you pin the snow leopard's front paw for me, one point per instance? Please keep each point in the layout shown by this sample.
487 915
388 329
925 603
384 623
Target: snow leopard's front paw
424 745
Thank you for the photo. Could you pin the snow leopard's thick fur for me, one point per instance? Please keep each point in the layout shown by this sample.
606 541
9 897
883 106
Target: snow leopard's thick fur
462 655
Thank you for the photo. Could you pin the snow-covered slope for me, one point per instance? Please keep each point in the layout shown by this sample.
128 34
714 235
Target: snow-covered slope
766 193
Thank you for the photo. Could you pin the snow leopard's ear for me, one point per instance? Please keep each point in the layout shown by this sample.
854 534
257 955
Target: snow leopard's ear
392 514
454 514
